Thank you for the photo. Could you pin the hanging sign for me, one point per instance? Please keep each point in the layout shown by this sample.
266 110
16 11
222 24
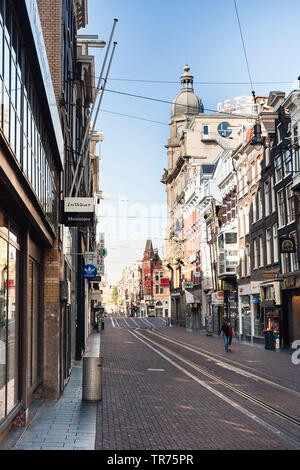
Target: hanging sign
78 211
89 271
287 245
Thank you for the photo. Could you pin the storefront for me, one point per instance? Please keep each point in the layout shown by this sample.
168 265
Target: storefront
251 316
290 310
271 309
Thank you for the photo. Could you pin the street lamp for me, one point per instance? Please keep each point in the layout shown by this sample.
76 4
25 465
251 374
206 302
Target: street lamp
257 140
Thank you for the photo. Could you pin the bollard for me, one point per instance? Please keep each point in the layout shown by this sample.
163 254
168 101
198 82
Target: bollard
91 379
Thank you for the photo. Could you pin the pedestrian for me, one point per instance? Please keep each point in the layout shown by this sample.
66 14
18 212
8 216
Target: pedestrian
230 335
225 333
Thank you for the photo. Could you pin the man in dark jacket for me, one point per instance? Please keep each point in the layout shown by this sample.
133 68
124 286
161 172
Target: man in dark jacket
225 333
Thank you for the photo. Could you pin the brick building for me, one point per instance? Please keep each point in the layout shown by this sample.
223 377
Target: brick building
156 298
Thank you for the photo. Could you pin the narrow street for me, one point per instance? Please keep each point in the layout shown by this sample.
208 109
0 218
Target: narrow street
168 388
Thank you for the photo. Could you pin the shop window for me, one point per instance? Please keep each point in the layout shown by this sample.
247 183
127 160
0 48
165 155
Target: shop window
33 322
9 346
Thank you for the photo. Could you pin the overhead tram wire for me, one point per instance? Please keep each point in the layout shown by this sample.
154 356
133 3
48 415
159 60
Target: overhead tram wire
246 116
244 49
195 81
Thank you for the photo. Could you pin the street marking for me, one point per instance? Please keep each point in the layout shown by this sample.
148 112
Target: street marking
215 392
151 324
127 323
113 323
128 342
157 370
135 322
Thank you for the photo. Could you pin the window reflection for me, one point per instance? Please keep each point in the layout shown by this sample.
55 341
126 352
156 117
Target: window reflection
3 313
21 120
12 388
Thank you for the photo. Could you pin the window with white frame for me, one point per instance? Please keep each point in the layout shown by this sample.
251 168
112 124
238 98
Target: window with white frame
252 173
247 260
242 262
258 171
261 251
268 243
267 198
255 254
246 219
205 129
273 199
267 156
259 205
293 256
278 169
242 222
281 209
290 203
297 152
254 215
275 244
279 132
288 162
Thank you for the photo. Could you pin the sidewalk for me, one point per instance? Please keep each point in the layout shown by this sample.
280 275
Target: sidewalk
68 424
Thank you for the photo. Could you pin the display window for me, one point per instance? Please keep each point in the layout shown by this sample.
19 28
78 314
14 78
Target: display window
9 317
246 315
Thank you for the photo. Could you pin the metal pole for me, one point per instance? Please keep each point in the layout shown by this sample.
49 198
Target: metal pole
97 112
92 109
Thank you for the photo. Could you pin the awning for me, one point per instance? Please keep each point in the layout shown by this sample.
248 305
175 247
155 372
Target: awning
190 298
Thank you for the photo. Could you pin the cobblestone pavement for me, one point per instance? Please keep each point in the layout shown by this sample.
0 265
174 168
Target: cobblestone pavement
68 424
148 403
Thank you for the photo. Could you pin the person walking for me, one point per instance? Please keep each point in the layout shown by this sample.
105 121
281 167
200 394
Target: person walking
230 335
225 333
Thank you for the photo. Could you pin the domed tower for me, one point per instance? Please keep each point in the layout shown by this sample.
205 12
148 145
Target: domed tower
187 102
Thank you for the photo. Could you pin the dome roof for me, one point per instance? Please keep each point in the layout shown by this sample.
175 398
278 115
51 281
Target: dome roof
187 102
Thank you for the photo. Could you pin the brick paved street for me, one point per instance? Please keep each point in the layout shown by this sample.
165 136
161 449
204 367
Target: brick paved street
151 404
165 408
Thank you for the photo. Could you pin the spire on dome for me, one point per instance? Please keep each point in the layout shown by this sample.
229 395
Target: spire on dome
187 79
187 102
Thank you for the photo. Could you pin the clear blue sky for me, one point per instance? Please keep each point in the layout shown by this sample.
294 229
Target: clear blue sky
155 40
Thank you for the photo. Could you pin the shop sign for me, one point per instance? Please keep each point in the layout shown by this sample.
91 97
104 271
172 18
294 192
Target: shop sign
164 282
90 257
227 285
96 295
287 245
188 285
78 211
89 271
217 298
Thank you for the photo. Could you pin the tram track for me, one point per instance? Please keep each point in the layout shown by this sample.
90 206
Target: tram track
223 383
220 360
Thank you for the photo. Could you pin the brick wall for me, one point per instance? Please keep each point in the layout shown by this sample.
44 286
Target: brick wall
51 19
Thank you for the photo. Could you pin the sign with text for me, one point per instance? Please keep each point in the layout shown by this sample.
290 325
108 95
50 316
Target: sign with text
78 211
217 298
